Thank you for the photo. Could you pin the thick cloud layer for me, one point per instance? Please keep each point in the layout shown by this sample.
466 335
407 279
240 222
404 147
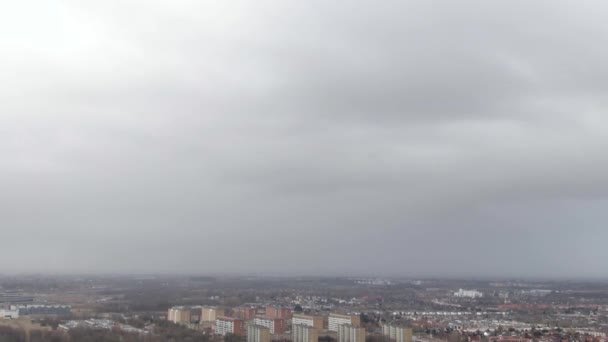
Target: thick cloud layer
420 138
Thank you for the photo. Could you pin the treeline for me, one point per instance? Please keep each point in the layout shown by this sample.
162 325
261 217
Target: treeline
10 334
163 331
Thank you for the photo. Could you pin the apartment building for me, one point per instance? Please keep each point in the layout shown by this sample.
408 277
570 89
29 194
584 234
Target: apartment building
304 333
278 312
229 325
211 313
276 325
350 333
245 313
258 333
179 315
310 321
397 333
334 320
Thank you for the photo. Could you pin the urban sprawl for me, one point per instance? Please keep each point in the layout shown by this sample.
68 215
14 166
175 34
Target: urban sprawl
306 309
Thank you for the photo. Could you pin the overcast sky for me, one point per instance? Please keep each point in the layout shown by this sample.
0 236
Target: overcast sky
415 138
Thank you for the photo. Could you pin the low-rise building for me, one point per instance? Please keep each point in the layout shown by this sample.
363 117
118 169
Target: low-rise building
468 294
42 310
14 297
9 314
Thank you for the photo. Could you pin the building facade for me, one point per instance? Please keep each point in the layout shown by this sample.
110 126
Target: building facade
397 333
276 325
228 325
246 313
468 294
350 333
179 315
304 333
257 333
211 313
278 312
42 310
14 297
334 320
310 321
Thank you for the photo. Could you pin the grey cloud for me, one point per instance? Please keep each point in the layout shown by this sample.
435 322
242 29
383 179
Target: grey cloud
331 137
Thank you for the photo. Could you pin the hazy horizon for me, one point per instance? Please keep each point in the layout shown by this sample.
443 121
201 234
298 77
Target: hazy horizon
454 139
286 276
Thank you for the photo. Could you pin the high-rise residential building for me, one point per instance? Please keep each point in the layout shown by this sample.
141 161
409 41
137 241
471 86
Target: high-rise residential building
276 325
278 312
244 312
229 325
397 333
211 313
334 320
350 333
257 333
179 315
311 321
304 333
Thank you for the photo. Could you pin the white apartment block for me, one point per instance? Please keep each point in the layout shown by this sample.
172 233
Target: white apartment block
310 321
225 325
266 322
334 320
302 320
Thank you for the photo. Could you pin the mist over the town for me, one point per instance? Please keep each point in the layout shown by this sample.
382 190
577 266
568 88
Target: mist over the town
390 138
